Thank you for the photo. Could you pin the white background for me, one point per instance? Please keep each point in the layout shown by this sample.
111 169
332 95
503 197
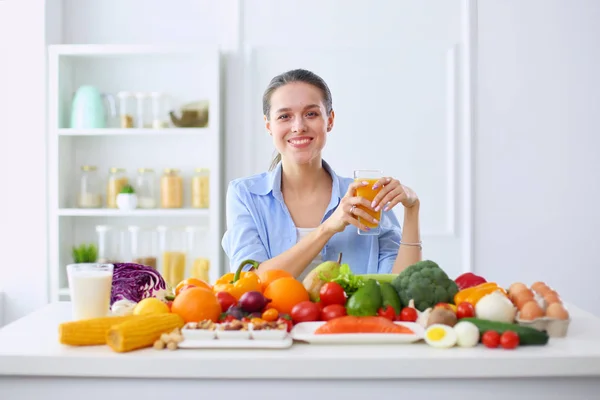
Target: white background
536 102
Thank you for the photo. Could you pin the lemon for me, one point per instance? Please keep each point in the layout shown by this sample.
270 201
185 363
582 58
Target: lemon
151 305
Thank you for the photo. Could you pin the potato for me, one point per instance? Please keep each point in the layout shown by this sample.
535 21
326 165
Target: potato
442 316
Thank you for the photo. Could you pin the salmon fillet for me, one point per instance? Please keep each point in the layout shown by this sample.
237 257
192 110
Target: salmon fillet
352 324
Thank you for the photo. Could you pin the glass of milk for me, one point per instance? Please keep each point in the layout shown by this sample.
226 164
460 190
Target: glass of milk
90 285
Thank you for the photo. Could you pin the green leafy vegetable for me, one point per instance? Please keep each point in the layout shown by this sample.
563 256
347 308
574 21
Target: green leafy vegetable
346 279
85 253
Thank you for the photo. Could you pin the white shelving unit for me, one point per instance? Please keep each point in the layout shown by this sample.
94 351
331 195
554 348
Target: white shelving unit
187 74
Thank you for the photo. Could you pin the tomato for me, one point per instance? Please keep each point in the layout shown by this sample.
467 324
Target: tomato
408 314
286 319
388 312
465 310
270 314
321 305
509 340
306 311
226 300
490 339
332 293
333 311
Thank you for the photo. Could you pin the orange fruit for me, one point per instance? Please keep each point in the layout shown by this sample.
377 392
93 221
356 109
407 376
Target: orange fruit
270 275
193 282
285 293
196 304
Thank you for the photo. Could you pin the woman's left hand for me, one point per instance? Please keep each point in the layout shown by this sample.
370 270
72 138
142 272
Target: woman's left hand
393 193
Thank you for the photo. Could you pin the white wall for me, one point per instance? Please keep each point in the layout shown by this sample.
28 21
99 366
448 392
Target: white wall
536 84
536 187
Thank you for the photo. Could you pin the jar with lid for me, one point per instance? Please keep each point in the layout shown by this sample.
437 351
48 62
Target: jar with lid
174 254
126 109
144 115
200 188
144 245
198 245
160 110
145 187
110 244
171 189
117 179
90 195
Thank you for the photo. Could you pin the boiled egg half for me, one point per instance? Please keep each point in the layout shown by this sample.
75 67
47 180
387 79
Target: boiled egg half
440 336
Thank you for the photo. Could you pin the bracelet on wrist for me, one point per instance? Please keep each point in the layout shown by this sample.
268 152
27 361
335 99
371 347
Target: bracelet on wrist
419 244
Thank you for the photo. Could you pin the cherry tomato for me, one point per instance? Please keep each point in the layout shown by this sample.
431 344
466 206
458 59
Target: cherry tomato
490 339
306 311
465 310
286 319
332 293
509 340
270 315
333 311
408 314
388 312
226 300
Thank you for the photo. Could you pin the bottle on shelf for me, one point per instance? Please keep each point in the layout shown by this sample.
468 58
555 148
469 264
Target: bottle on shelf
144 245
160 113
200 188
145 187
126 109
197 249
174 254
89 188
171 189
117 179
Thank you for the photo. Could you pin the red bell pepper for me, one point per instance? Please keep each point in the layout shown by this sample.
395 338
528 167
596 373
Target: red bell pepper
468 280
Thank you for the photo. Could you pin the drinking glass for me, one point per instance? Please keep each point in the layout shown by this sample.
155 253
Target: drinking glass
90 285
367 192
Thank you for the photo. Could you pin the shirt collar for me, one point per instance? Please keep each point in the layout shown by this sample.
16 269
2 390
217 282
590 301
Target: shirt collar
271 182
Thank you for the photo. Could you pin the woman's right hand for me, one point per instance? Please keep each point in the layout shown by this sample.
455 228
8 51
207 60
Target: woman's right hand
347 212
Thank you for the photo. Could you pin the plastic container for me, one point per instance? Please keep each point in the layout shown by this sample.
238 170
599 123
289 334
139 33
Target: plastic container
171 189
145 187
201 188
89 195
174 254
144 245
111 242
126 109
117 179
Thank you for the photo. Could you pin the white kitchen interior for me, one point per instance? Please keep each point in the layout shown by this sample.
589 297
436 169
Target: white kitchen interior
486 108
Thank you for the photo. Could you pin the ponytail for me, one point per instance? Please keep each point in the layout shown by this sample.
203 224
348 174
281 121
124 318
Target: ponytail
275 161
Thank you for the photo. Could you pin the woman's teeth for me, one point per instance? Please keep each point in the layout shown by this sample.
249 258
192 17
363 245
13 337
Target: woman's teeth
299 141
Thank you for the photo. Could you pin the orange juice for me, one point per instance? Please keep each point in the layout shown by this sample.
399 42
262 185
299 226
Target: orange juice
368 193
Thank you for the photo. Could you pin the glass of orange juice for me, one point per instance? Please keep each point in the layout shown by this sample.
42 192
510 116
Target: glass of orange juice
367 192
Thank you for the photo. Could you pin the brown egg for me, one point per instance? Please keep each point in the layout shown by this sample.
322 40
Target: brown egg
538 285
522 298
543 290
516 288
530 311
552 298
557 311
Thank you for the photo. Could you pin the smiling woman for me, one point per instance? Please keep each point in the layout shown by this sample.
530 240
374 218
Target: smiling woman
296 215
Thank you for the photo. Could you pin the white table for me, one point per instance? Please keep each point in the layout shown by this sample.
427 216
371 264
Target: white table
33 365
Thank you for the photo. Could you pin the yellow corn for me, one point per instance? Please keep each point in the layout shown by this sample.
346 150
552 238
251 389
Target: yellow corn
142 331
88 332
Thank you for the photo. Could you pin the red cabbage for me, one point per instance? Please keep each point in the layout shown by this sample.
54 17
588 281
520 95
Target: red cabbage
135 282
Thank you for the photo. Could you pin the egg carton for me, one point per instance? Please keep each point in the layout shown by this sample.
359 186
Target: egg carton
555 328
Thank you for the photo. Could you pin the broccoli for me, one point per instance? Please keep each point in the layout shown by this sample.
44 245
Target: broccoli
426 283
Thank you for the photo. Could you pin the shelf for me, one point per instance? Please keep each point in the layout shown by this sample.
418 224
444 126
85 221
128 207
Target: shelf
64 292
109 212
90 50
135 132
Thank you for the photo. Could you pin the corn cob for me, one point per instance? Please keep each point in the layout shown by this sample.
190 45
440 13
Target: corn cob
88 332
142 331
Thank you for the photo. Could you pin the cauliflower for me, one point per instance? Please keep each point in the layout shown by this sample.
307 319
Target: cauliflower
426 283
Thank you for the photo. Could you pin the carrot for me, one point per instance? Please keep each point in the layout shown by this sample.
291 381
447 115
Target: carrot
352 324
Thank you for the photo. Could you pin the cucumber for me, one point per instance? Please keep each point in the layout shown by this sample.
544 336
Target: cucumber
388 278
527 335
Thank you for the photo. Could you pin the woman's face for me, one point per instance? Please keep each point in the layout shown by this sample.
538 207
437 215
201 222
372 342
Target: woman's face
298 122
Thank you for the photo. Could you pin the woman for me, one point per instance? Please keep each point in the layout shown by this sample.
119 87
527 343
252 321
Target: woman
301 213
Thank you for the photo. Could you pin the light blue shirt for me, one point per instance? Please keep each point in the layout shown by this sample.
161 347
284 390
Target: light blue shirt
259 226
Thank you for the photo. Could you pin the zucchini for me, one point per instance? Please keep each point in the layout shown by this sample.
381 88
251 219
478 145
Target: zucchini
387 278
527 335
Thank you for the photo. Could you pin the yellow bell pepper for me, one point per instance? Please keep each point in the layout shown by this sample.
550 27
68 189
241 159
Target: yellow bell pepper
474 294
239 282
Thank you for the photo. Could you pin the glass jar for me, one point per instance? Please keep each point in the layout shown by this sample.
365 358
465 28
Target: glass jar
173 248
200 188
110 244
89 188
160 110
117 179
143 116
171 189
145 187
126 109
144 245
198 245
